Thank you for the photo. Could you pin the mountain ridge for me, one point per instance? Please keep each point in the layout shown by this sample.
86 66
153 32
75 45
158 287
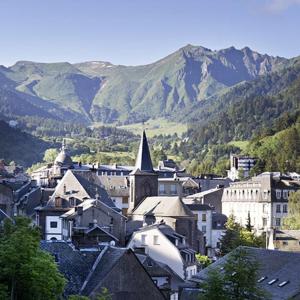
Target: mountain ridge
99 91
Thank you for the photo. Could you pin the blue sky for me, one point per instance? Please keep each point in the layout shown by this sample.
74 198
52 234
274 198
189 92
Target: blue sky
136 32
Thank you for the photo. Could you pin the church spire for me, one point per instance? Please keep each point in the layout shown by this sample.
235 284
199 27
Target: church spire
143 161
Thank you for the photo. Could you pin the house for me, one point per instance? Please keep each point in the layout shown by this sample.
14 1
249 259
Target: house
92 222
177 186
162 275
203 213
264 198
117 269
168 169
73 189
174 213
240 166
211 197
218 230
278 272
211 181
284 240
165 245
117 188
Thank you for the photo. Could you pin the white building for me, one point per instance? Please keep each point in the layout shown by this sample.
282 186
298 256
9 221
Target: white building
164 245
240 166
264 198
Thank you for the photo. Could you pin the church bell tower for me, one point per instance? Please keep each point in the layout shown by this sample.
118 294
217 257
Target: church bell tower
143 179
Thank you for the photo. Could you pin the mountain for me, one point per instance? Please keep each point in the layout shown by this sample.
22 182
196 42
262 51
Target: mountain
264 105
19 146
100 91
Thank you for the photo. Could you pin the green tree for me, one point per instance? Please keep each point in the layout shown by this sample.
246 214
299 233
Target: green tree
27 272
292 221
237 235
249 225
204 260
50 155
213 288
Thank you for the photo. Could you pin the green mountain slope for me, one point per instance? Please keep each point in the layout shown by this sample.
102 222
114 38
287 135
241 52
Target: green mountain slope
249 108
99 91
20 147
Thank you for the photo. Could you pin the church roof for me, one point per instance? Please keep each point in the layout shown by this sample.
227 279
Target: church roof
63 158
164 207
143 160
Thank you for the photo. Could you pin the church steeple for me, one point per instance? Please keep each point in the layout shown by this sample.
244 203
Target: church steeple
143 179
143 160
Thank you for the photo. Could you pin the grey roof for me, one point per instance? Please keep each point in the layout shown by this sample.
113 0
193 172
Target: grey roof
90 187
116 186
3 215
163 206
274 264
63 159
143 161
189 293
31 200
218 221
71 263
103 265
287 234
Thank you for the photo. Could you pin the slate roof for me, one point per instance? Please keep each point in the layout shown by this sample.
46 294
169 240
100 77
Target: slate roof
116 186
164 207
204 193
3 215
90 187
31 200
143 160
218 220
287 234
102 266
88 204
274 264
71 263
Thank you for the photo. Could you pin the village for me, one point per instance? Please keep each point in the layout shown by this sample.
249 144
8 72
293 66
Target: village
139 230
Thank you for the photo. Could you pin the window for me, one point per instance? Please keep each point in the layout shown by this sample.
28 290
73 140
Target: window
261 279
278 208
144 239
285 243
283 283
162 189
53 224
272 281
264 222
277 221
265 208
173 189
204 229
155 240
203 217
285 208
278 194
285 194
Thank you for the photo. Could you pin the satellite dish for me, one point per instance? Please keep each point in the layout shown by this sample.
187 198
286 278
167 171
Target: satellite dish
112 243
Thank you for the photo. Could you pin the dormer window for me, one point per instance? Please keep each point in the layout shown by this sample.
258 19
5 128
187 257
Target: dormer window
283 283
272 281
261 279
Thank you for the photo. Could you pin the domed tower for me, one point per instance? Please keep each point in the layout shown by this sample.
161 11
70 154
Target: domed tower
143 179
63 160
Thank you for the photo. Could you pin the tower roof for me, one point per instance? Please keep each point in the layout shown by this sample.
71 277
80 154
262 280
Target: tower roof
143 160
63 159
